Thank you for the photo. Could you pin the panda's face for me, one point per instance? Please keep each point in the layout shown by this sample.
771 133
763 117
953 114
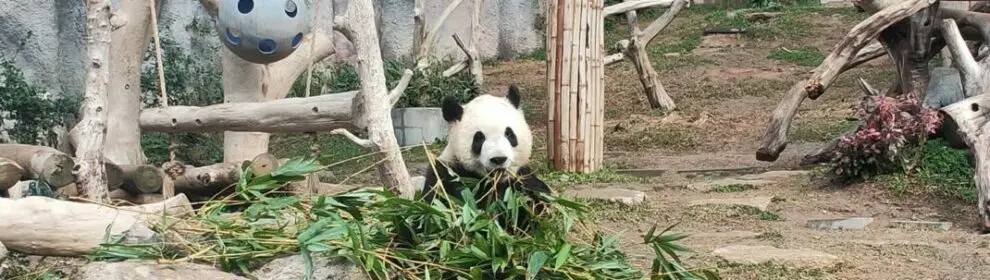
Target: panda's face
489 133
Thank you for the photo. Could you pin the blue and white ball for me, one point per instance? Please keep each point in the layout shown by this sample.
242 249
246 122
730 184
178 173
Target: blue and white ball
263 31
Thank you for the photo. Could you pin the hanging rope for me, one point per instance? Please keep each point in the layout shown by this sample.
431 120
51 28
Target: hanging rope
171 168
314 147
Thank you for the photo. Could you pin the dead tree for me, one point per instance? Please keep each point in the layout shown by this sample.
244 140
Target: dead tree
635 47
775 138
92 176
970 114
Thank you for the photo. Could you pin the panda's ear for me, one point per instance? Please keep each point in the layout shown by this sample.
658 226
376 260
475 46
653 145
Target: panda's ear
513 95
452 110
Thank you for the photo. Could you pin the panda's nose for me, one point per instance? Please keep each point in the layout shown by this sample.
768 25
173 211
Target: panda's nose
498 160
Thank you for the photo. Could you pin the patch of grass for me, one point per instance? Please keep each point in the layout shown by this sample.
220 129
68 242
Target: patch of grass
619 212
802 56
772 236
769 216
733 188
667 137
940 171
775 271
716 212
536 54
604 175
821 131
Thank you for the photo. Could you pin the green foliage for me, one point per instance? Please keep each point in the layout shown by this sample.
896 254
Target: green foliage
603 175
17 266
426 88
803 56
937 169
536 54
190 82
32 112
391 237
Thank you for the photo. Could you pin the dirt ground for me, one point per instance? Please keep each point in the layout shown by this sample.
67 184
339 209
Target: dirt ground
725 97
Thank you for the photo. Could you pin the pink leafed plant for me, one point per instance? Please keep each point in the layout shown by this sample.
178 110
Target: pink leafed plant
889 124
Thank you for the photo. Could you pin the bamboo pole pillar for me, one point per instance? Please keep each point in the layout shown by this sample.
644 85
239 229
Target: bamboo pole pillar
575 65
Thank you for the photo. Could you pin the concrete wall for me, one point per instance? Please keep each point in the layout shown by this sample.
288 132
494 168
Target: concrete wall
53 52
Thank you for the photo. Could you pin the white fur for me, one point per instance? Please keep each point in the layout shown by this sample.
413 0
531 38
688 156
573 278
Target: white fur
491 115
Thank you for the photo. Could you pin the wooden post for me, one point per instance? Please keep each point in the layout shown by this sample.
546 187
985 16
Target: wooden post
575 42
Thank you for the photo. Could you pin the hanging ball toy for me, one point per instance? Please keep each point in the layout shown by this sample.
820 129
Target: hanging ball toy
263 31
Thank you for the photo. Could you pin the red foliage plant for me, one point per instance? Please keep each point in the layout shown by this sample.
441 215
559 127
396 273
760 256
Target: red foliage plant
889 124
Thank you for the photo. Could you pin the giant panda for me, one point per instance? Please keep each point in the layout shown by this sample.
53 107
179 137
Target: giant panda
488 137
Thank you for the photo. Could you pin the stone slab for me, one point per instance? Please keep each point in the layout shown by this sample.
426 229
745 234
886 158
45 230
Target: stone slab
840 224
760 202
752 255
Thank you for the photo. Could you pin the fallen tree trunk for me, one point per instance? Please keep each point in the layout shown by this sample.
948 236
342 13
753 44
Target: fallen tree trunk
139 179
10 173
50 227
209 180
49 165
971 117
775 138
310 114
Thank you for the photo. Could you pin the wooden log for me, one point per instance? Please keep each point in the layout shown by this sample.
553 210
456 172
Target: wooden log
10 173
115 175
264 164
310 114
145 198
210 179
50 227
574 83
634 5
775 138
636 52
45 163
140 179
971 117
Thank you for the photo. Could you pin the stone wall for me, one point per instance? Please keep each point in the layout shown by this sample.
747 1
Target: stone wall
53 47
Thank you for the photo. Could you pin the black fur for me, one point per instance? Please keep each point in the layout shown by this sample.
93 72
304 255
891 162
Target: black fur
514 96
477 143
448 175
511 135
452 110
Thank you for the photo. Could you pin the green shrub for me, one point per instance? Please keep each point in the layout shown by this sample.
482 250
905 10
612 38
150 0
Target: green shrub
32 113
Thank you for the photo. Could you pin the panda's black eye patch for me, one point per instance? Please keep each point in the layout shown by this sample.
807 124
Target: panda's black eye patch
509 134
479 140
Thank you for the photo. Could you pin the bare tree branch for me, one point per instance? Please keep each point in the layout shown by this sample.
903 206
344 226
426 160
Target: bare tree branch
662 22
775 137
424 50
365 143
396 93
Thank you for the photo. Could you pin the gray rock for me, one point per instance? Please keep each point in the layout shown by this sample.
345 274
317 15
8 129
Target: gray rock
922 225
628 197
134 269
840 224
751 255
760 202
944 87
291 268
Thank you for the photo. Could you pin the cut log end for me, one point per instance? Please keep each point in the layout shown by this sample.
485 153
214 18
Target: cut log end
264 164
770 154
139 179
